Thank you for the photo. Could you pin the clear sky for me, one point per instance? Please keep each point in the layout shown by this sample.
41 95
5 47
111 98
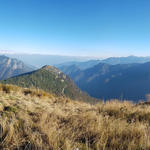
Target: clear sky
99 28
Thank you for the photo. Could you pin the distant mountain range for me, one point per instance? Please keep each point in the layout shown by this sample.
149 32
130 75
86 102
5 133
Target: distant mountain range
105 81
39 60
111 61
80 65
11 67
50 80
121 78
126 60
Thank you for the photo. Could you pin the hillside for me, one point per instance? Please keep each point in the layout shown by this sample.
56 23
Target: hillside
122 81
11 67
46 122
50 80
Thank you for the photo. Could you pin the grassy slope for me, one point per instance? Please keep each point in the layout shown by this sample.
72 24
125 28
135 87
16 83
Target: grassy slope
50 82
32 119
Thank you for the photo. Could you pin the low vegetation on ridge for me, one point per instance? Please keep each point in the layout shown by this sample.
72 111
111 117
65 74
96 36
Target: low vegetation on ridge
51 80
32 119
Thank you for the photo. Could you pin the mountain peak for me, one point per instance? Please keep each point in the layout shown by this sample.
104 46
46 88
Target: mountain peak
47 66
51 69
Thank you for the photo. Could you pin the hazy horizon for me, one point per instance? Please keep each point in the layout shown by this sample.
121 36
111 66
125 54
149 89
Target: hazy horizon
9 53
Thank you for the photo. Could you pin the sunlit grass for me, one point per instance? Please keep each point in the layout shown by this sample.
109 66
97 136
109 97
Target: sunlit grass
31 119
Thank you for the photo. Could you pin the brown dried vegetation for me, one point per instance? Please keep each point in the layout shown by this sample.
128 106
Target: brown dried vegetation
35 120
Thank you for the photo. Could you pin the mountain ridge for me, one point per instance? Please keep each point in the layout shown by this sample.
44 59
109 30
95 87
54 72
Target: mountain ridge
121 81
51 80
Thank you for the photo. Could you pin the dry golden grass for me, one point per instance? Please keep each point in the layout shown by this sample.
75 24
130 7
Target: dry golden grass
37 121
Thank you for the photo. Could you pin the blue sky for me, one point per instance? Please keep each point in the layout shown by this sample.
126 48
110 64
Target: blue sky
100 28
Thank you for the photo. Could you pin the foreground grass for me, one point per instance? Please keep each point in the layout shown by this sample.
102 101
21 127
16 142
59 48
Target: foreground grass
34 120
